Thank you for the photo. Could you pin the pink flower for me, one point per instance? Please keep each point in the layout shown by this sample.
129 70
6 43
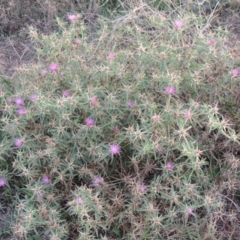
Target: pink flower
169 90
178 23
19 101
21 111
116 129
9 99
155 118
111 56
212 41
77 41
46 180
235 72
33 97
189 211
66 93
130 103
191 186
43 72
97 180
169 166
114 149
17 142
53 66
78 200
142 187
187 114
72 17
160 151
2 182
89 121
94 101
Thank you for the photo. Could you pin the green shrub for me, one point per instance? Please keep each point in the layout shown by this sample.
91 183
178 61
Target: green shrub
122 137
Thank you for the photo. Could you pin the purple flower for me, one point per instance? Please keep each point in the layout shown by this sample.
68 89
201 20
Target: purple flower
235 72
130 103
114 149
178 23
111 56
189 211
53 66
116 129
187 114
17 142
43 72
97 180
212 41
94 101
19 101
46 180
142 187
9 99
66 93
72 17
77 40
33 97
21 111
2 182
169 89
89 121
169 166
156 118
78 200
160 150
191 186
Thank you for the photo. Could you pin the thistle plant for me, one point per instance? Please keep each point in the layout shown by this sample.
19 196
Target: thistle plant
122 137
